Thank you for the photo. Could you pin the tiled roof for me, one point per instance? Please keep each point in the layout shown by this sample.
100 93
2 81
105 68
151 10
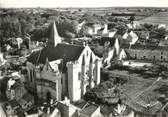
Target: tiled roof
67 52
89 109
38 56
81 104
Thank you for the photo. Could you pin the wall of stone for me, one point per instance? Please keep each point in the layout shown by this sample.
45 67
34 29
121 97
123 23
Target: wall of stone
148 54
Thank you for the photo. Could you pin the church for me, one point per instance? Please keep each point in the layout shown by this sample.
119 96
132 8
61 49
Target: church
62 70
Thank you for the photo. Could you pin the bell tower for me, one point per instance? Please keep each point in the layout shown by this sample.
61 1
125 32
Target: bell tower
54 38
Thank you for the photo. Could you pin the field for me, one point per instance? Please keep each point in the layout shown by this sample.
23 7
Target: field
159 18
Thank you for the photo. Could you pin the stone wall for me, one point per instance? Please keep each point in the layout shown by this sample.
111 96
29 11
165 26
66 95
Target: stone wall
148 54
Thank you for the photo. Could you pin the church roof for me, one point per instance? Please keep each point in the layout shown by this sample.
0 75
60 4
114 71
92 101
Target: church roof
38 56
67 52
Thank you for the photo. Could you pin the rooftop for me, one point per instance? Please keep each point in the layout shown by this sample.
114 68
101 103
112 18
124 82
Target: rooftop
144 47
89 109
67 52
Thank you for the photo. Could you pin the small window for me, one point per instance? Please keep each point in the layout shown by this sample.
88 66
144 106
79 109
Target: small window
31 75
87 53
161 57
154 57
79 76
87 88
162 52
61 80
144 57
46 84
135 56
47 67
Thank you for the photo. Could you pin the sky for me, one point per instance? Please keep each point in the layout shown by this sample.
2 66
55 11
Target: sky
82 3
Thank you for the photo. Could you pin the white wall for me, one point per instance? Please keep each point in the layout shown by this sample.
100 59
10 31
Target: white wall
74 68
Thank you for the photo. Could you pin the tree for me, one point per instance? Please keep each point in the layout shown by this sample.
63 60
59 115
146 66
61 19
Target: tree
131 19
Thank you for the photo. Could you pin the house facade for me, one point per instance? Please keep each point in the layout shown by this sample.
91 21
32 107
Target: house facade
152 54
15 90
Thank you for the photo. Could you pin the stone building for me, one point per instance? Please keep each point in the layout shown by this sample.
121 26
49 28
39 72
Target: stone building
63 70
15 90
80 109
150 53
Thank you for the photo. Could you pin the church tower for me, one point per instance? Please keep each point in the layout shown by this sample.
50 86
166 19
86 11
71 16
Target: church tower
54 38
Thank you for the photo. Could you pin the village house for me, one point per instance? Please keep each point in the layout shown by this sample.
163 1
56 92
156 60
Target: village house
93 29
11 107
67 109
90 110
148 53
26 102
15 89
63 70
80 109
134 25
130 37
163 42
114 52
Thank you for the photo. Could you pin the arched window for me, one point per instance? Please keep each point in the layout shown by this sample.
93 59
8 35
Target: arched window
31 75
87 88
154 58
48 96
87 53
79 76
83 60
161 57
135 56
